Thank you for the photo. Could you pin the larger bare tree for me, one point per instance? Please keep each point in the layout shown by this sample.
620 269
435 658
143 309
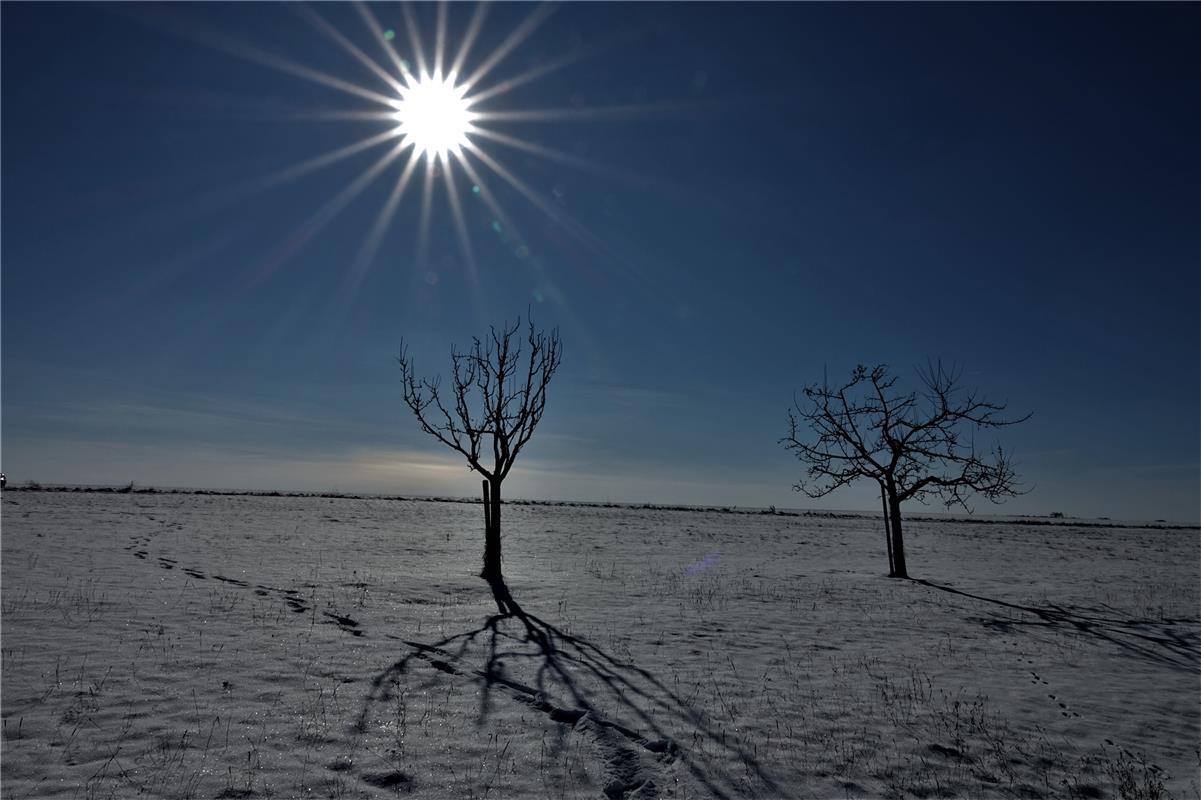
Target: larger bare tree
916 445
497 396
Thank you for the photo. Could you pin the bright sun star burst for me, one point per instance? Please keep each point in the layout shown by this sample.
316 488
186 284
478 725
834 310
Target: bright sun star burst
443 115
434 116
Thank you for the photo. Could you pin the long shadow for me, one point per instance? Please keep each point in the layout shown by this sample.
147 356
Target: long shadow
583 677
1154 640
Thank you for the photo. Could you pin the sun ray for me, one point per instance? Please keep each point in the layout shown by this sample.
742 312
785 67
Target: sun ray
302 168
336 114
299 237
490 200
235 47
473 30
456 210
357 272
529 75
379 228
541 203
593 113
193 31
315 76
551 154
554 65
439 36
510 228
557 215
373 25
427 203
414 35
519 35
560 217
242 106
323 26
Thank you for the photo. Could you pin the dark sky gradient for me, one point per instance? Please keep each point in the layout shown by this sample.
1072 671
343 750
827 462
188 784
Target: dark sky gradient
1012 187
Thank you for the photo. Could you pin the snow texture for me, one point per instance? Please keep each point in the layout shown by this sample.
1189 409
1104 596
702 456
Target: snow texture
198 646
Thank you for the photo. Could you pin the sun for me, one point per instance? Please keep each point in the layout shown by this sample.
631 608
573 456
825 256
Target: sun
443 115
434 116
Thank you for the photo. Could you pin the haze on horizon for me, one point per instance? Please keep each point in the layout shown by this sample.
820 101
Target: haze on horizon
715 204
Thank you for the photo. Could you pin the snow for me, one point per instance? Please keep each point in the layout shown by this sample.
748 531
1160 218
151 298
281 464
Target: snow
183 645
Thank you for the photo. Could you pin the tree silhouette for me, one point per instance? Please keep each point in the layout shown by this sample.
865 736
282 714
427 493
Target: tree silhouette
915 446
498 400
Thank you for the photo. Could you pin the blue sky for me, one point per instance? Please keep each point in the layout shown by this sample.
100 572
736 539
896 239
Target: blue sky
776 190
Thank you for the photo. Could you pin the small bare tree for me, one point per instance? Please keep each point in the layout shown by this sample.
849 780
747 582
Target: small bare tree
498 394
916 446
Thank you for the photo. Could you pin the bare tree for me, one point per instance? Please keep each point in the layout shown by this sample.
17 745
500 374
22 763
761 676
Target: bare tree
498 394
916 446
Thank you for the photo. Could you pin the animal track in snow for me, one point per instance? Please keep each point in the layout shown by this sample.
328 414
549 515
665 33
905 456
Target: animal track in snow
291 597
1063 708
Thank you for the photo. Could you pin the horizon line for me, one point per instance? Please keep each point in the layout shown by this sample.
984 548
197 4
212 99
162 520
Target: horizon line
929 516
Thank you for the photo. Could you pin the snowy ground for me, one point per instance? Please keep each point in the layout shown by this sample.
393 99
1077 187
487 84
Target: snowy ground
186 646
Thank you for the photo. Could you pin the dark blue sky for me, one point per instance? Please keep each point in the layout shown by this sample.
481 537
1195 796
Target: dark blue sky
784 189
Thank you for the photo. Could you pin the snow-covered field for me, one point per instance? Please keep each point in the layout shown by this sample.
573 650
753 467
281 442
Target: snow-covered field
191 646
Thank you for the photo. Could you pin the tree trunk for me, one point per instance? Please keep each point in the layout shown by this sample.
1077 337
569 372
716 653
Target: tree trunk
898 544
505 605
491 530
487 510
887 531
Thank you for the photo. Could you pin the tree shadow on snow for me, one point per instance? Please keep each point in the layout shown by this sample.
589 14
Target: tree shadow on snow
1168 641
573 681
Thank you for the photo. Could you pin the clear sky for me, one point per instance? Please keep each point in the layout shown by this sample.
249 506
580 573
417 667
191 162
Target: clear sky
743 197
